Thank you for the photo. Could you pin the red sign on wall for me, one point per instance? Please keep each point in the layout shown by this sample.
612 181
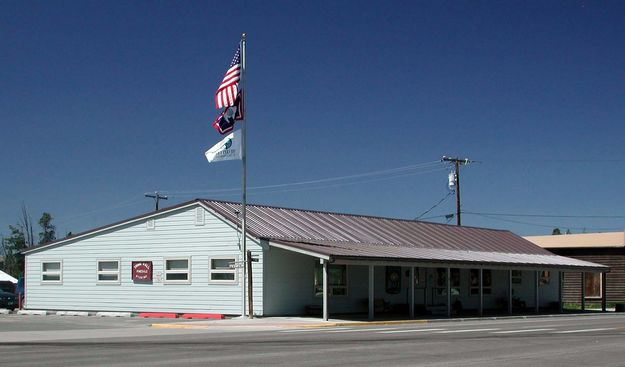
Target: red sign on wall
142 270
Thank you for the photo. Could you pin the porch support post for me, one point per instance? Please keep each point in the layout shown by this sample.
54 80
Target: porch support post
561 290
411 306
325 290
583 291
425 289
536 297
604 296
481 288
371 294
510 291
448 292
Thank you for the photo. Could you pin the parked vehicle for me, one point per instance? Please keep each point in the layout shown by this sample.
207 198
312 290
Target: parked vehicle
8 300
7 286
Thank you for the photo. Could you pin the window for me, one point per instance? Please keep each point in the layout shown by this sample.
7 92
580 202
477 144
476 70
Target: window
393 279
593 285
178 270
441 282
517 276
222 270
52 272
108 271
545 277
337 280
487 282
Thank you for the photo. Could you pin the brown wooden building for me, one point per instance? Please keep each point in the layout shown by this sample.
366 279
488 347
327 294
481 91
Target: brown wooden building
602 248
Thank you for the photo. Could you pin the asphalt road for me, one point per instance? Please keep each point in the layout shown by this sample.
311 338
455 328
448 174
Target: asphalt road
597 340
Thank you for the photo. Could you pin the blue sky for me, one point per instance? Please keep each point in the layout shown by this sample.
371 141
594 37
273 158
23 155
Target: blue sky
104 101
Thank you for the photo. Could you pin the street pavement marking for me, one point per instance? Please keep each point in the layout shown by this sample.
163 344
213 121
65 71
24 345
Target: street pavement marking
358 330
408 331
583 330
520 331
543 326
311 330
465 331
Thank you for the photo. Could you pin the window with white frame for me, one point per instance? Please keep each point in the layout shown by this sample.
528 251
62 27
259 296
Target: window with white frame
337 279
178 270
52 272
222 270
108 271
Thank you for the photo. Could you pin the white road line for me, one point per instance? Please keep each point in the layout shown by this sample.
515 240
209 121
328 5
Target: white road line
357 330
520 331
544 326
408 331
583 330
465 331
311 330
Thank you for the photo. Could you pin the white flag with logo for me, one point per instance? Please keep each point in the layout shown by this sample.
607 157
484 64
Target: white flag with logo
227 149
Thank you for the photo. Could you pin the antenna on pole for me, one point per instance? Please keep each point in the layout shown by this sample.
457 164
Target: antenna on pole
454 180
156 196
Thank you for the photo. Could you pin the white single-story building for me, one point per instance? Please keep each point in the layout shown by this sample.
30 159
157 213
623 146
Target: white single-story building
180 259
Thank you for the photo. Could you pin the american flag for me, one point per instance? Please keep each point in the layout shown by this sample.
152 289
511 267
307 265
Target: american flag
229 88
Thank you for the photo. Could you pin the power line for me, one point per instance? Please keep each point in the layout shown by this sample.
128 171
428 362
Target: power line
435 205
547 215
390 173
545 225
295 189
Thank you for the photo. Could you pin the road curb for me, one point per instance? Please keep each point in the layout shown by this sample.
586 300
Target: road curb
114 314
32 312
178 326
72 313
362 323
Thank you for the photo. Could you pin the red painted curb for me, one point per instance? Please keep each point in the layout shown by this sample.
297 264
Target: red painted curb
160 315
216 316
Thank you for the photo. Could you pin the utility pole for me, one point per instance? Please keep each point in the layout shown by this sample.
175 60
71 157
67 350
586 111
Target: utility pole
156 196
457 162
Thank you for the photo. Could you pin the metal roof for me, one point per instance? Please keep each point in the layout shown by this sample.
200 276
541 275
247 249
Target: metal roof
348 236
356 237
581 240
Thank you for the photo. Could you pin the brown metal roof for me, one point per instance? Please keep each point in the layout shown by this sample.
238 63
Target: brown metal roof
357 236
351 236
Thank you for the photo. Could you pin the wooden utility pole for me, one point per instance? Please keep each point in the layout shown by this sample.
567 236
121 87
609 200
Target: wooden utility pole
156 196
457 162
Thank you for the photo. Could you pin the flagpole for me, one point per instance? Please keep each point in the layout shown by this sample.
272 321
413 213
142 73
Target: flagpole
244 179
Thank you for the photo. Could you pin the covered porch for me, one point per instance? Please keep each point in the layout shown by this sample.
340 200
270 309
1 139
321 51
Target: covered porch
400 289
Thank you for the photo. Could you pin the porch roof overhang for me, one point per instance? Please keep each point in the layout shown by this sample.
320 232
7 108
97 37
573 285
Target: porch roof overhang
340 252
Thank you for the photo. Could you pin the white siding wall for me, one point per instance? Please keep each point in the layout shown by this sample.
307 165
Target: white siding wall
175 235
289 285
288 282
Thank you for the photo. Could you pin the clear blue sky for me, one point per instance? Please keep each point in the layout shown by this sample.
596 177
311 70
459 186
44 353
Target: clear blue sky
103 101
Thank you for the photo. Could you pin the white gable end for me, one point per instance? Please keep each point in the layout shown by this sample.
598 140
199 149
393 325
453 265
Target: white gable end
175 235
